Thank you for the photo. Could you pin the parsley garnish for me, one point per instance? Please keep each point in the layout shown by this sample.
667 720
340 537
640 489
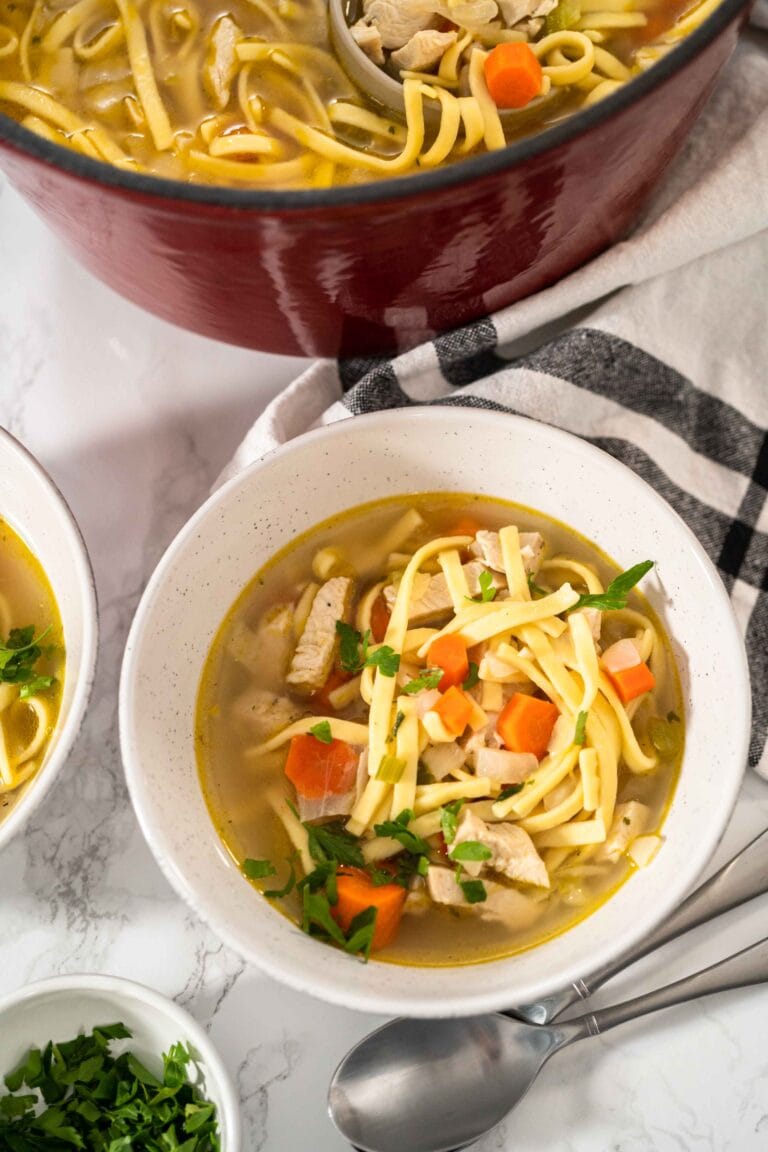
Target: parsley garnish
398 830
430 678
472 676
536 589
487 590
615 595
580 734
92 1100
290 884
474 891
396 726
322 732
354 654
333 842
422 866
361 930
18 656
470 850
258 869
510 790
449 819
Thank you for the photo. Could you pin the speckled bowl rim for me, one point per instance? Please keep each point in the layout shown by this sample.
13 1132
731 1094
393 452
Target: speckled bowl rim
121 991
310 977
86 672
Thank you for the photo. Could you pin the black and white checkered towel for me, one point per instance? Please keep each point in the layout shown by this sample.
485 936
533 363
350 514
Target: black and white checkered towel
657 352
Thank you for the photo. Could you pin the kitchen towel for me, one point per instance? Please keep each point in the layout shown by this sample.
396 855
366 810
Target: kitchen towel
656 351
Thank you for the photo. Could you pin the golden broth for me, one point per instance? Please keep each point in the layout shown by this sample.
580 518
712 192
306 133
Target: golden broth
134 84
26 726
234 785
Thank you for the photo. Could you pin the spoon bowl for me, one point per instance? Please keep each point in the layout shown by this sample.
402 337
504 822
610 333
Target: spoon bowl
437 1086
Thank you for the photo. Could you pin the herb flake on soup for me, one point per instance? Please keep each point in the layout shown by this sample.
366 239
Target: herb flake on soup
440 729
31 667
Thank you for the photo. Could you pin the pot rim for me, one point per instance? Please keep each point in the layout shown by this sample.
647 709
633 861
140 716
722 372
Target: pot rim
377 191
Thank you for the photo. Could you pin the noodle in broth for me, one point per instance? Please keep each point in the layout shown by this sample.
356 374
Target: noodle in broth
251 94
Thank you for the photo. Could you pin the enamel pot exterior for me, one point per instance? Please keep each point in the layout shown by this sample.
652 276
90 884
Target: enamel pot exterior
361 270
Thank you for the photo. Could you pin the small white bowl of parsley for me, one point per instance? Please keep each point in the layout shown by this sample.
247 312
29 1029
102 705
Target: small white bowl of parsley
106 1065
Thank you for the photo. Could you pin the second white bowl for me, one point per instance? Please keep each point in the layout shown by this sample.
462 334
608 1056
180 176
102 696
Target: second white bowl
333 469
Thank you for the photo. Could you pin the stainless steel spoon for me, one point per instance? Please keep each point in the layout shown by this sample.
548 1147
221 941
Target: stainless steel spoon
743 878
439 1085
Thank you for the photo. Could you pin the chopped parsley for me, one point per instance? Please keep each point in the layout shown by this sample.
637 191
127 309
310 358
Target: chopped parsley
615 595
537 592
474 891
422 866
258 869
449 819
354 654
322 732
333 842
79 1096
430 678
396 726
510 790
472 676
361 931
18 657
398 830
580 734
487 590
470 850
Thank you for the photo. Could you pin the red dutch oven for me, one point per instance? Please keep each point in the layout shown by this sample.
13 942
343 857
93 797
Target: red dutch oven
373 268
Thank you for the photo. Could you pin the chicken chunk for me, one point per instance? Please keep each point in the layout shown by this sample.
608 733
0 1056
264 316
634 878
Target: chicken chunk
488 547
368 37
423 51
432 602
512 850
268 646
501 903
514 11
313 659
265 713
221 63
629 820
396 22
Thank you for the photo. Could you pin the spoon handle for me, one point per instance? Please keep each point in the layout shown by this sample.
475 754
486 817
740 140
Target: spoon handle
741 879
747 967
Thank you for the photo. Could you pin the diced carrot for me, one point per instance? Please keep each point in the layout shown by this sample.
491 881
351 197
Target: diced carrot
513 75
525 724
466 526
322 698
317 769
356 893
455 710
633 682
379 618
450 653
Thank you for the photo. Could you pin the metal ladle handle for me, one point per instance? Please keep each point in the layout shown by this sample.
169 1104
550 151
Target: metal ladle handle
741 879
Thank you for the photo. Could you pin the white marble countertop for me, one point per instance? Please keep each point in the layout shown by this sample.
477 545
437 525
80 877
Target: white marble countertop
134 420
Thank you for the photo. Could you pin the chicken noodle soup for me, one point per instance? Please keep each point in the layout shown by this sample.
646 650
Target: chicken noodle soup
31 666
251 93
440 729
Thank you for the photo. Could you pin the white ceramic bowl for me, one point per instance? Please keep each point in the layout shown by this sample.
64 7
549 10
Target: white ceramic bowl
60 1008
332 469
33 506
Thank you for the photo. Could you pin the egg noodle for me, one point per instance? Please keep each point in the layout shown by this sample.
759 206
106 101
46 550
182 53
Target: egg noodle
257 98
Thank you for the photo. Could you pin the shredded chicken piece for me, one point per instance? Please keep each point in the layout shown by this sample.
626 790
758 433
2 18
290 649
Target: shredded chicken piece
514 11
313 659
629 820
221 63
423 51
368 37
512 851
